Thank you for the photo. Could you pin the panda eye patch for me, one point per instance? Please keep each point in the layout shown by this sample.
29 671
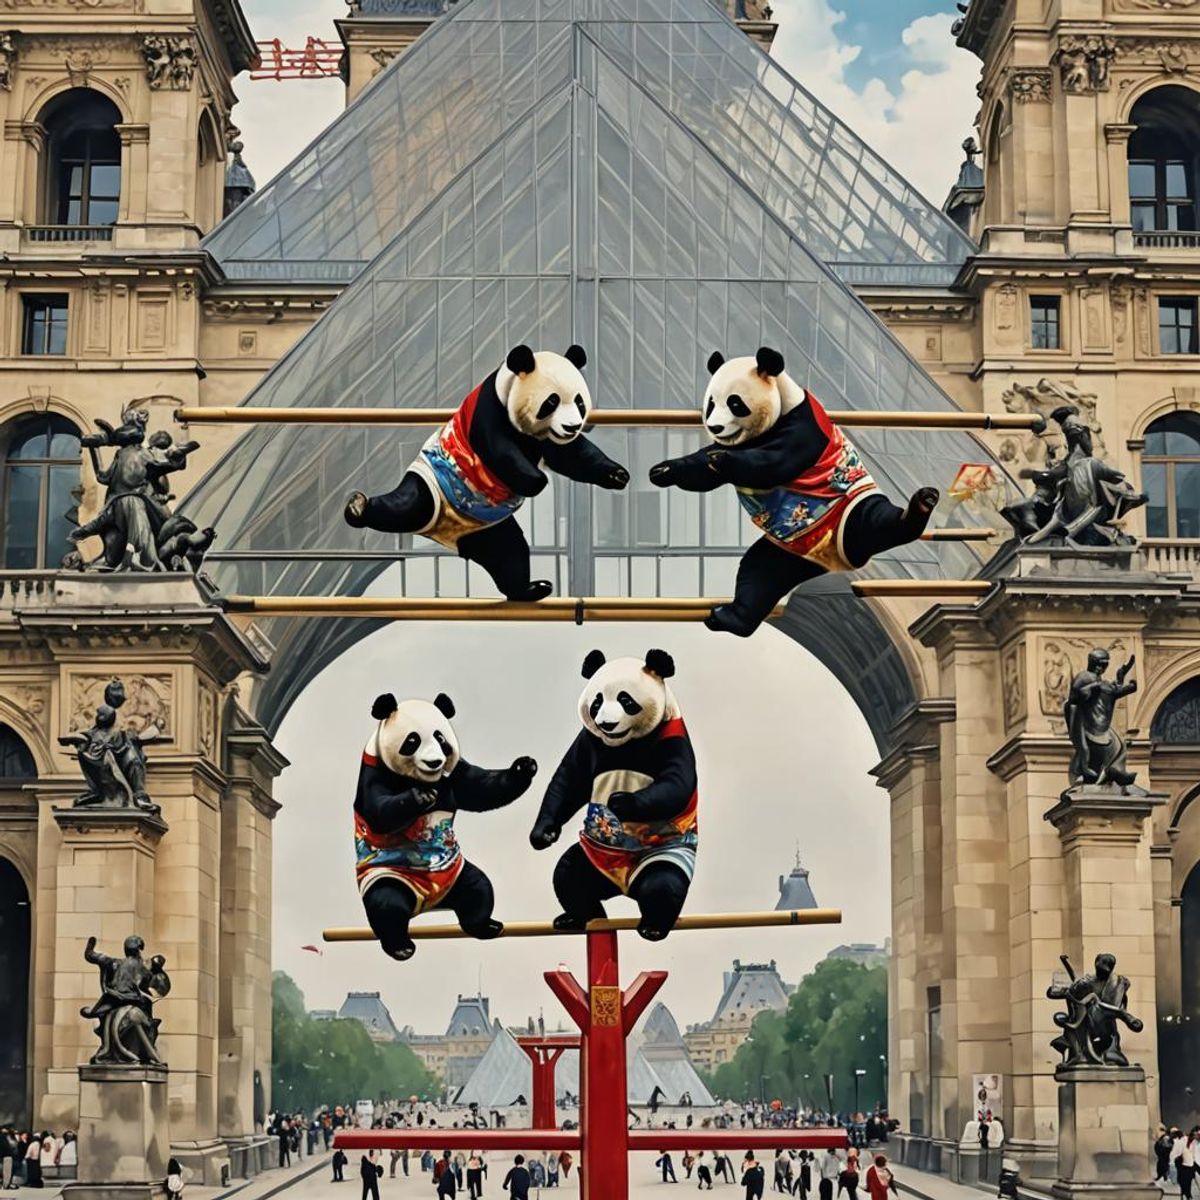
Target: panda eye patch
548 406
708 411
441 741
595 706
629 704
410 745
738 406
579 404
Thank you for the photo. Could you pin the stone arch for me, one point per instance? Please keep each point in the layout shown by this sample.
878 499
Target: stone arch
36 109
1165 680
1154 411
15 718
1153 83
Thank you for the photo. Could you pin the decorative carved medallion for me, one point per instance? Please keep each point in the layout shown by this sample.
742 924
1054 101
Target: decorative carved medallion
606 1005
1030 85
170 62
1083 63
1042 399
1012 673
149 704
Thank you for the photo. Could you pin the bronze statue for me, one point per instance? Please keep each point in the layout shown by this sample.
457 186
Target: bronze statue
1096 1006
129 987
1077 499
136 524
1100 751
113 760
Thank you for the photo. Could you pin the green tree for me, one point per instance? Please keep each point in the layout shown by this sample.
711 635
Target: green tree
835 1023
332 1062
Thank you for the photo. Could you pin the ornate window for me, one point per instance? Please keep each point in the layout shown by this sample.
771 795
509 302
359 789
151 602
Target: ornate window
15 760
1164 156
83 181
41 468
1171 476
1177 721
44 324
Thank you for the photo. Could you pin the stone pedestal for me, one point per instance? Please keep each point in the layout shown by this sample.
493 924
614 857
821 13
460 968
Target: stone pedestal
123 1133
1103 1135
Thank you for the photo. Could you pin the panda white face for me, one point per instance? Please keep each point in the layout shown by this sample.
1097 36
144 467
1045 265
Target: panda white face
745 397
545 393
627 698
415 738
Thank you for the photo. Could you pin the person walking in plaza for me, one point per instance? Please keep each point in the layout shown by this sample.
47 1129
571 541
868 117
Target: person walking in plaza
880 1179
1184 1155
848 1179
370 1169
668 1167
1162 1155
33 1161
688 1161
475 1170
173 1184
537 1170
829 1167
284 1133
8 1154
395 1158
803 1184
516 1182
552 1170
447 1180
566 1162
703 1173
339 1166
404 1162
753 1177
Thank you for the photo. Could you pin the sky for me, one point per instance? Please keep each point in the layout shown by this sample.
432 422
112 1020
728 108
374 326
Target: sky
889 68
783 752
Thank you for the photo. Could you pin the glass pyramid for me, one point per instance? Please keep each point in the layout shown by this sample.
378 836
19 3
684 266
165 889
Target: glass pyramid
488 63
598 215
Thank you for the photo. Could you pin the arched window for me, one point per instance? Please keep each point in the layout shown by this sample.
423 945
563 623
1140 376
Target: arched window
41 468
83 180
1171 476
1164 155
1177 721
15 945
16 763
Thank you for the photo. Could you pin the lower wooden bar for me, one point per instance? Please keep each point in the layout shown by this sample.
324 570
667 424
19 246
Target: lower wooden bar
438 1139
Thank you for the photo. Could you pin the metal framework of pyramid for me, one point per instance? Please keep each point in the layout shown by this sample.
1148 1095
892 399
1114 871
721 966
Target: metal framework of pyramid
632 175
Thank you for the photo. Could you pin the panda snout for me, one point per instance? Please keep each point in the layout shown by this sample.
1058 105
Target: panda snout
715 430
607 726
571 430
433 764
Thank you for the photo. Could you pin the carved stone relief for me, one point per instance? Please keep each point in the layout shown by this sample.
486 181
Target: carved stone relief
150 702
1031 85
1042 399
1062 658
1012 673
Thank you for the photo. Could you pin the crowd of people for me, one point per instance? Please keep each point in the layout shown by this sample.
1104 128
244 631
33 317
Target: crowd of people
1176 1158
795 1173
452 1172
26 1156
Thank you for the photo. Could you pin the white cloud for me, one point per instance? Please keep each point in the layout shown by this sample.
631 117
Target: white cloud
918 127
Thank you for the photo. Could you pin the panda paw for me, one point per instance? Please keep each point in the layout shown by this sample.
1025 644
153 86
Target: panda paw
537 590
401 949
623 805
650 933
726 619
484 932
616 480
662 474
569 923
544 835
355 511
525 766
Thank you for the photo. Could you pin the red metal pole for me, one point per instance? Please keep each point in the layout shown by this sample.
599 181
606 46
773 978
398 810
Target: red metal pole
438 1139
544 1053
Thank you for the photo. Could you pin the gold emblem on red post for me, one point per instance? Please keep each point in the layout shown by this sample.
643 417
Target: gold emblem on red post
606 1006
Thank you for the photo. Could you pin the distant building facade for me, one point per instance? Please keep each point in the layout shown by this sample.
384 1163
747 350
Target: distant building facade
370 1011
749 988
795 891
863 953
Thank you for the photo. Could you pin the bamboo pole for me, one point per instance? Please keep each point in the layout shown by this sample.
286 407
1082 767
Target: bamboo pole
968 588
671 418
527 929
961 535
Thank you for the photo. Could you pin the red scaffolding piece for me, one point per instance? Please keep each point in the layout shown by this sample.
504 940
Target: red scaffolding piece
605 1014
544 1052
316 60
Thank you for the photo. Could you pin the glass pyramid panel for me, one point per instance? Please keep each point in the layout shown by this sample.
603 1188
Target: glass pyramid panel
488 62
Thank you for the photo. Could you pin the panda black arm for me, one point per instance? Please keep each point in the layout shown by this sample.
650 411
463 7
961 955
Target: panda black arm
585 461
695 472
671 792
569 789
787 450
478 789
386 805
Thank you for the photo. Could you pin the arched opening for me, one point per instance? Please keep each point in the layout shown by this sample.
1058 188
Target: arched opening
42 459
82 181
1171 476
1177 721
1164 158
210 174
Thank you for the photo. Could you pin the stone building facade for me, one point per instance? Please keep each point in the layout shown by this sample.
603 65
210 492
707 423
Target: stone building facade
1083 290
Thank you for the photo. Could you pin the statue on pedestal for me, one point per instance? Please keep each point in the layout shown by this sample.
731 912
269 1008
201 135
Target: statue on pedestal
1076 499
129 987
136 525
1096 1007
113 760
1100 751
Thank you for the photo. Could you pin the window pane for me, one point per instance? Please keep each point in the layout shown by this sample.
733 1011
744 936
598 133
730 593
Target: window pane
29 440
1187 500
102 212
56 336
21 517
74 211
75 181
1143 217
57 543
64 440
1182 216
1141 179
1177 180
1154 480
106 181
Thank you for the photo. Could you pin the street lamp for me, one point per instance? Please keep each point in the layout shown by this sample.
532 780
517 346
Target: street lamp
859 1072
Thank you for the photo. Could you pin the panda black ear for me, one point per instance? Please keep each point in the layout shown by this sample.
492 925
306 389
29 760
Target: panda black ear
384 706
444 705
660 663
520 360
716 360
577 357
770 362
593 663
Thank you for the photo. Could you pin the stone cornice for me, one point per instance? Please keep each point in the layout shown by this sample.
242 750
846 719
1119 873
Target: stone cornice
914 739
1025 751
978 25
129 824
1102 816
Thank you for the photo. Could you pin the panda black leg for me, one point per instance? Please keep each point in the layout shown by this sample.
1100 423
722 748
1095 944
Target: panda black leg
660 891
581 890
766 574
472 899
390 906
502 551
405 509
876 524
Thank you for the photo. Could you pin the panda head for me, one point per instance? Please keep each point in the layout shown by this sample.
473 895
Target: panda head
545 393
627 698
746 396
415 738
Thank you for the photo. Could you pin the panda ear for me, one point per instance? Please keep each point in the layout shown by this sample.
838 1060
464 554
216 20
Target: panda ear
577 357
770 362
593 663
384 706
660 663
520 360
444 705
716 360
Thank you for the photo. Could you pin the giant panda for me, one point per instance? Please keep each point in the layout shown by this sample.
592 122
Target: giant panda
411 783
474 473
633 766
799 478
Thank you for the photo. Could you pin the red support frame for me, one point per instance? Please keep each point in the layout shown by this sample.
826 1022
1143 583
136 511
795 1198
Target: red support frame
544 1053
606 1015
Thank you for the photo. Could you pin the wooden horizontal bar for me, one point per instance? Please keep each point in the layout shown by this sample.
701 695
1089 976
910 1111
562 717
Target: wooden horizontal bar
969 588
439 1139
958 535
524 929
670 418
738 1139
